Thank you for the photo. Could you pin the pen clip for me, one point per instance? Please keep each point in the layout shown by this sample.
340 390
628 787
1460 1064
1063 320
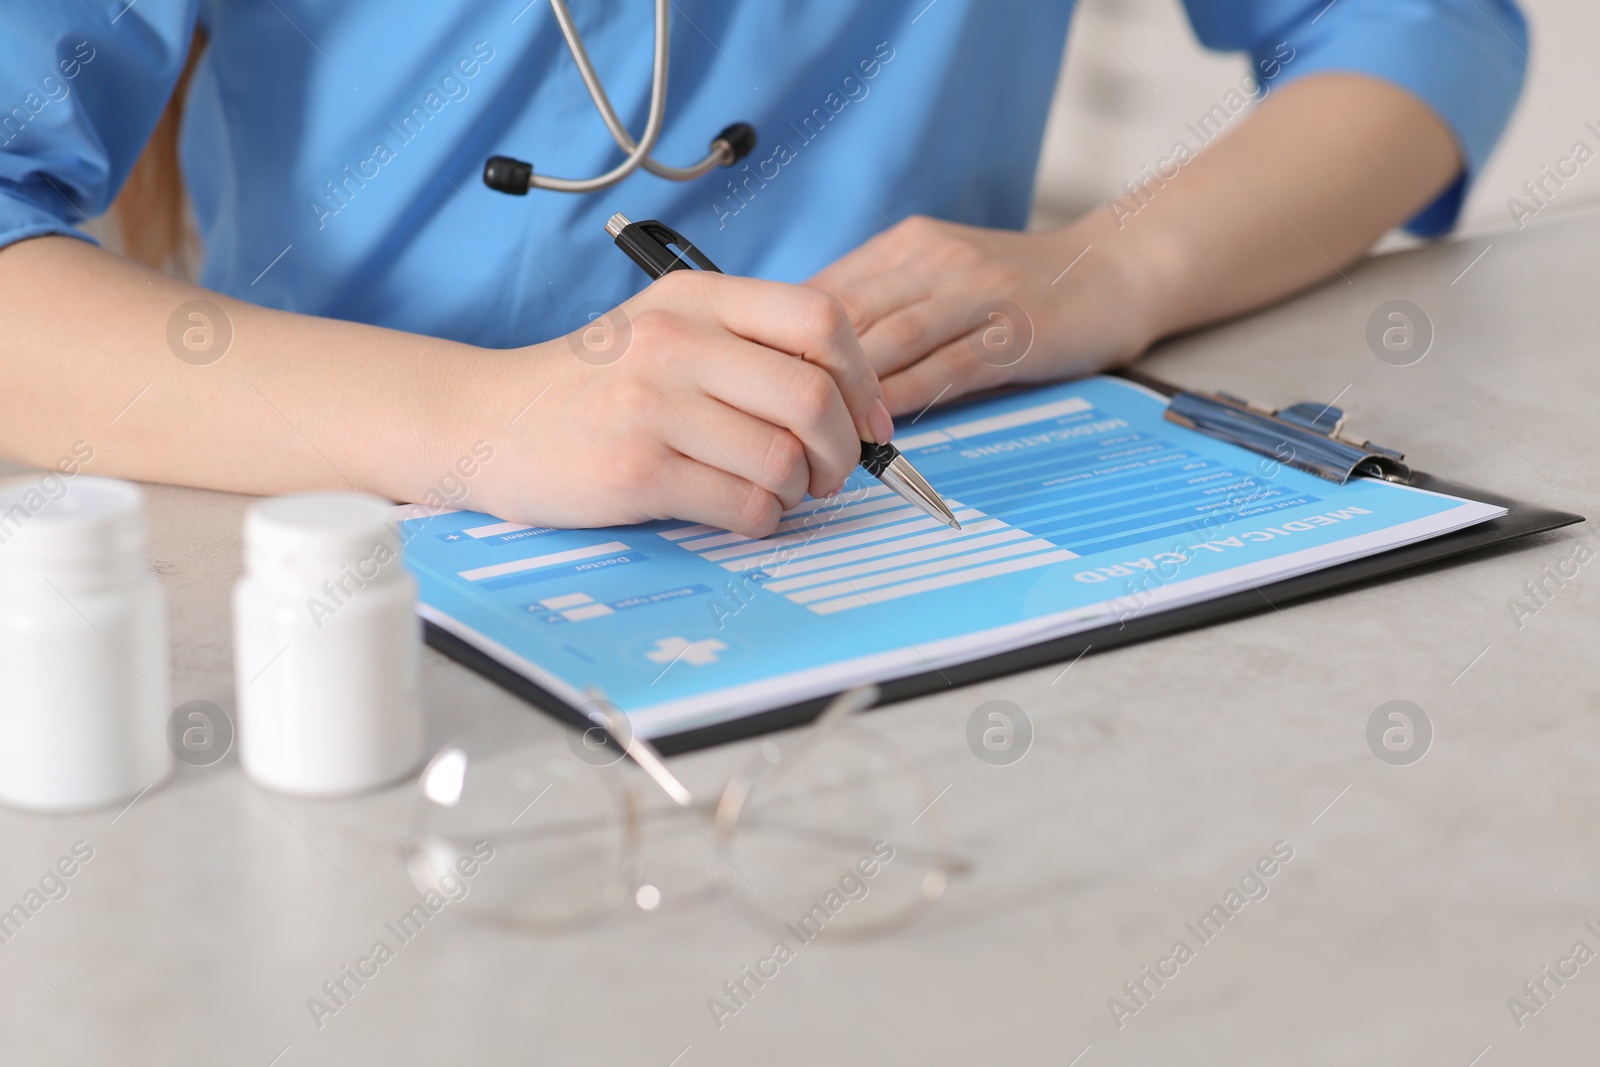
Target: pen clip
657 247
671 238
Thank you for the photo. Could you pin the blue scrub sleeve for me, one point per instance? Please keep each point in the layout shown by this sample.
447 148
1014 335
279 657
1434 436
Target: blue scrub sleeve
82 85
1465 59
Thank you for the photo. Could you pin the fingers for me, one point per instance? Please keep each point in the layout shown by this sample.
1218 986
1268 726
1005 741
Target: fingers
790 395
948 373
685 489
910 333
877 256
717 435
870 300
802 322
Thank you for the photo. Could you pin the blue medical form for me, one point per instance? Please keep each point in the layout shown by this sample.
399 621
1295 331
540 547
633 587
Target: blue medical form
1079 503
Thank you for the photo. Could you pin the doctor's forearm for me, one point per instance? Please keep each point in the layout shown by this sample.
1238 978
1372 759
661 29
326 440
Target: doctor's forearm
1322 169
293 403
735 399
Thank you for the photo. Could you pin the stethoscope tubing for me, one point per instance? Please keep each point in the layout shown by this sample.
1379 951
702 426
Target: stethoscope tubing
514 176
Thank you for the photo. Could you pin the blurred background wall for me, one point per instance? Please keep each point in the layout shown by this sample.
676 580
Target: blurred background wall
1134 73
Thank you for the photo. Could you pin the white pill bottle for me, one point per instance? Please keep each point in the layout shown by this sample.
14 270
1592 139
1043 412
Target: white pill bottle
84 682
327 646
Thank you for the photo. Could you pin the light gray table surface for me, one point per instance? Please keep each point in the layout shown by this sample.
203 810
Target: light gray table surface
1419 898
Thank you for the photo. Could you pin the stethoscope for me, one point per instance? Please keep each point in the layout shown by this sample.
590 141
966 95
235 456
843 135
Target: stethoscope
514 176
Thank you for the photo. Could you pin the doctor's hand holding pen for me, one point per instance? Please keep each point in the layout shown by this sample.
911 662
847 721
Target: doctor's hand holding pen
735 399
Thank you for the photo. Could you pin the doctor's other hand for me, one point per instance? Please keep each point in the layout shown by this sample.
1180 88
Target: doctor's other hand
944 309
707 397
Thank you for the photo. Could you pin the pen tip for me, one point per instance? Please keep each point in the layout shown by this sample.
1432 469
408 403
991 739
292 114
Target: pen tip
953 523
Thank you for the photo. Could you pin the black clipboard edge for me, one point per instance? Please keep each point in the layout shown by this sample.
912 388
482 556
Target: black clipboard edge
1521 520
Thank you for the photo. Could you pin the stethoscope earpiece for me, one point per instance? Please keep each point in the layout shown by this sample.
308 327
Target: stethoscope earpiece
506 175
740 139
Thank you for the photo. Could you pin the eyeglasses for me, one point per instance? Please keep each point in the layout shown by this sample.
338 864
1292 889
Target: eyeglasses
830 827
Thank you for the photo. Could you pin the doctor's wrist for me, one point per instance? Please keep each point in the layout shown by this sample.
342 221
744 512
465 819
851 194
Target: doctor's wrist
466 415
1120 279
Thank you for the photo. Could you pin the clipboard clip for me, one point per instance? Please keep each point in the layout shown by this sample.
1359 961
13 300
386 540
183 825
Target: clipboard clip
1305 436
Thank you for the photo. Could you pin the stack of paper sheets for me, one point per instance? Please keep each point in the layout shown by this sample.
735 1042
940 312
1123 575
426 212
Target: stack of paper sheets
1079 504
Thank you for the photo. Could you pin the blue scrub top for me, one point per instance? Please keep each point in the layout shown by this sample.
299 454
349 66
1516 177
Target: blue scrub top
333 148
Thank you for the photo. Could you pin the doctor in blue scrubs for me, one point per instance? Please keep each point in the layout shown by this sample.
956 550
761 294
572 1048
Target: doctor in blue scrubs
369 314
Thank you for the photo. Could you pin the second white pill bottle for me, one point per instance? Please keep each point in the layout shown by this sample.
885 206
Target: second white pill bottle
326 647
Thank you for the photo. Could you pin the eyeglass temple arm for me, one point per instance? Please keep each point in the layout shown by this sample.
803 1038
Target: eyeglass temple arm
645 755
613 721
649 759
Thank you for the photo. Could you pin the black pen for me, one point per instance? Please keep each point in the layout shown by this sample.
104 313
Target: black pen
651 245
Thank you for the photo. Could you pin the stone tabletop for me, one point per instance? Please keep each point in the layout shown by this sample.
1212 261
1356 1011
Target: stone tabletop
1406 906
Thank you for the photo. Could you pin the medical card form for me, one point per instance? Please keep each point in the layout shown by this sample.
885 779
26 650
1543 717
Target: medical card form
1080 505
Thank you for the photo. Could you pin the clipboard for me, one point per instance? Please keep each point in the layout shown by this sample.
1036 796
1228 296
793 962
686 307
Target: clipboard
1308 436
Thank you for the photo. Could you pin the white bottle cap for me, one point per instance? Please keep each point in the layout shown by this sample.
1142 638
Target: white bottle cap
82 524
310 534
